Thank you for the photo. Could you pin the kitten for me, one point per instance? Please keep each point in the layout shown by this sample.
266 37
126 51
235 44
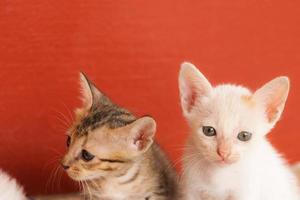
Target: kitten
9 188
296 170
113 153
228 156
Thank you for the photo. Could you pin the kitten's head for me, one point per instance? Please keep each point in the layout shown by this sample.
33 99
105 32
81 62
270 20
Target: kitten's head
227 120
105 139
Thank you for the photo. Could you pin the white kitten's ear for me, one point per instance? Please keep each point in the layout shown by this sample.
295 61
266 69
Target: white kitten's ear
90 94
273 96
192 86
142 132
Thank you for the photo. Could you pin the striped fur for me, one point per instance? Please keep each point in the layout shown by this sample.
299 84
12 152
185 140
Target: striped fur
127 164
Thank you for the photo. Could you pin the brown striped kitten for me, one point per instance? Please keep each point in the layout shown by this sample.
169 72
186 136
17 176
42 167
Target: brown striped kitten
113 153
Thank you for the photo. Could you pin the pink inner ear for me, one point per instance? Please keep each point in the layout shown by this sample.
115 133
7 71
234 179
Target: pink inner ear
191 100
272 112
273 107
140 140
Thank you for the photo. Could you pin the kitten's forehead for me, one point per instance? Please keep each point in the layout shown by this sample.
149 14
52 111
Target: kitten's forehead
106 140
111 116
230 107
231 96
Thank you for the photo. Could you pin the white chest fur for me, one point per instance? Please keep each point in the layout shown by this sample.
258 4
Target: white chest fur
261 177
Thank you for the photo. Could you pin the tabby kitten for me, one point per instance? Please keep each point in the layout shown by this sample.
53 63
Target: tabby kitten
228 156
113 153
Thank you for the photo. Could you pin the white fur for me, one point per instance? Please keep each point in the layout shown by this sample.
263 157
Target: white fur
253 170
9 188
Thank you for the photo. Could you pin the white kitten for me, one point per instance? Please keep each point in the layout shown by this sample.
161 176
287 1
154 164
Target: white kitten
227 155
9 188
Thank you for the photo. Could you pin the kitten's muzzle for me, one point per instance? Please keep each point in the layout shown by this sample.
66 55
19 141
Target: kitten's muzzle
224 154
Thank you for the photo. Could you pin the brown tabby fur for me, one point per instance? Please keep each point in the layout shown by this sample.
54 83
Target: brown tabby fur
127 165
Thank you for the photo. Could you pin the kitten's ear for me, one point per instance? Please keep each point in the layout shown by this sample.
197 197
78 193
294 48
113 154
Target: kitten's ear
192 86
273 96
90 93
142 132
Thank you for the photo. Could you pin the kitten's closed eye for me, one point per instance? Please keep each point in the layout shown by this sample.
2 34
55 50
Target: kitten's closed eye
244 136
112 160
86 156
209 131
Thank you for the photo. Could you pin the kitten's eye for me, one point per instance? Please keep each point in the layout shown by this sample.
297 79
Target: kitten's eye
244 136
86 156
209 131
68 141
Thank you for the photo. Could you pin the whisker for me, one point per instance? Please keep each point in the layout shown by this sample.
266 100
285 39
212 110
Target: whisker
69 111
60 176
55 178
50 162
69 121
54 150
88 190
62 121
49 179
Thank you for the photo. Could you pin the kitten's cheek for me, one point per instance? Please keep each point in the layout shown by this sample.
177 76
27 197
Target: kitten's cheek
233 159
75 169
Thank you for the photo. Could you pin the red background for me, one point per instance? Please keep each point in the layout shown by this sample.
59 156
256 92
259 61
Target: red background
132 51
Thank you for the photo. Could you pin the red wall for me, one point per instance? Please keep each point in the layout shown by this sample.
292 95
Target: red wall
132 50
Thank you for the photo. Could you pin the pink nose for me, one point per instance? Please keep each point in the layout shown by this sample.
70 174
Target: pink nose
224 154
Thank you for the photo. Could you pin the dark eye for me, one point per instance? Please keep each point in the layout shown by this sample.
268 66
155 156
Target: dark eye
86 156
244 136
68 141
209 131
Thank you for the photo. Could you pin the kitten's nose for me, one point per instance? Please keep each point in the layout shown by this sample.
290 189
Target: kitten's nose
65 163
65 166
223 154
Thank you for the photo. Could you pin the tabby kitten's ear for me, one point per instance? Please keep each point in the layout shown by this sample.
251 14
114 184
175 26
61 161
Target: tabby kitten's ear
91 96
273 96
192 86
141 134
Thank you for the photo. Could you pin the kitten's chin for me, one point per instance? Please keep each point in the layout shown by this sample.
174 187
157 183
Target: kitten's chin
218 161
74 177
221 162
226 162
